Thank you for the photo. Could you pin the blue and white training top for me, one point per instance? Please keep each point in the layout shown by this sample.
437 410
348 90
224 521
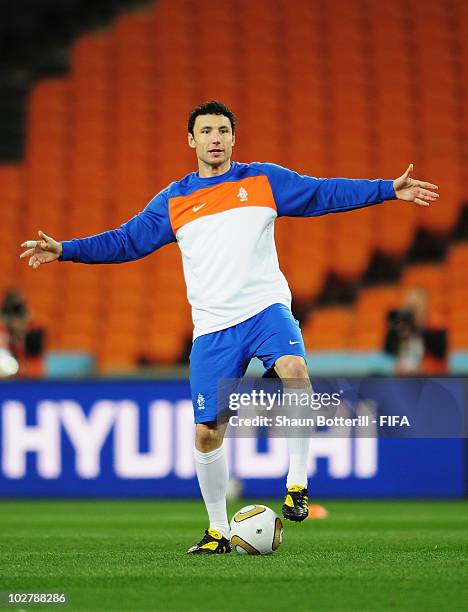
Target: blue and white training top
224 228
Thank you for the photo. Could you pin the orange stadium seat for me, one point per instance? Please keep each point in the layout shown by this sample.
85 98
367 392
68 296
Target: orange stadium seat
371 310
456 276
328 328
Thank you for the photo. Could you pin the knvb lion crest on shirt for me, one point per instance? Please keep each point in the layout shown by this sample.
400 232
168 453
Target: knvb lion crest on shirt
243 195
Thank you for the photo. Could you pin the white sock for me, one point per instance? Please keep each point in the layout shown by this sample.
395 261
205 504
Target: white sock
298 447
212 473
298 460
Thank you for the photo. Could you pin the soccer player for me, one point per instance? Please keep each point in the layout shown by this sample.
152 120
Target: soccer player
222 217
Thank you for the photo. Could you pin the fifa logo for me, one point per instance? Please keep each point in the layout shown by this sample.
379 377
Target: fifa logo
243 195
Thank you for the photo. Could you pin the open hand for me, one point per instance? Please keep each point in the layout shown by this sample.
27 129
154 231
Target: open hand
411 190
41 251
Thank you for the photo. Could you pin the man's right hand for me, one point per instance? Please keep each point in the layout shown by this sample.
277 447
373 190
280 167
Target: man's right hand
41 251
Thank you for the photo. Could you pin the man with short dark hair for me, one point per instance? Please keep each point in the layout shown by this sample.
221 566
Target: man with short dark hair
222 218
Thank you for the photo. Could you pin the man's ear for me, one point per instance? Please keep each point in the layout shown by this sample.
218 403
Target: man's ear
233 139
191 141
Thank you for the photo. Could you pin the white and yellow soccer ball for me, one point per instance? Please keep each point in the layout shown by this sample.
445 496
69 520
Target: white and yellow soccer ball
256 530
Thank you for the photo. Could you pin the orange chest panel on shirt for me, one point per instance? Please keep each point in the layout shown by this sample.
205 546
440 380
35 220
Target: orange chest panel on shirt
251 191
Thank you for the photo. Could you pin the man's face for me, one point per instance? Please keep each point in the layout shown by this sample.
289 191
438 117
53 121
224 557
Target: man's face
212 139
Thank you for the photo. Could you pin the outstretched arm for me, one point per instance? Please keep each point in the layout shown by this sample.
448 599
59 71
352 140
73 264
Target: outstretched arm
146 232
306 196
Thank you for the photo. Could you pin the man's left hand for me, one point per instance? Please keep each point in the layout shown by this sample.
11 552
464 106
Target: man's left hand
411 190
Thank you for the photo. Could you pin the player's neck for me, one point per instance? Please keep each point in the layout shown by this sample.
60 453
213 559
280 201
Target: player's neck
208 171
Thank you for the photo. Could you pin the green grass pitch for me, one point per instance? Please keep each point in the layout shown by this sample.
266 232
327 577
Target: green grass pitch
130 555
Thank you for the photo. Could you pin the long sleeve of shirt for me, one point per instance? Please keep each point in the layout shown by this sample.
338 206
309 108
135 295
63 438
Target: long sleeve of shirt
146 232
298 195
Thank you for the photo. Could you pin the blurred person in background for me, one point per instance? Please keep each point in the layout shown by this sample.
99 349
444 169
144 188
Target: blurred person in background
21 339
415 337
